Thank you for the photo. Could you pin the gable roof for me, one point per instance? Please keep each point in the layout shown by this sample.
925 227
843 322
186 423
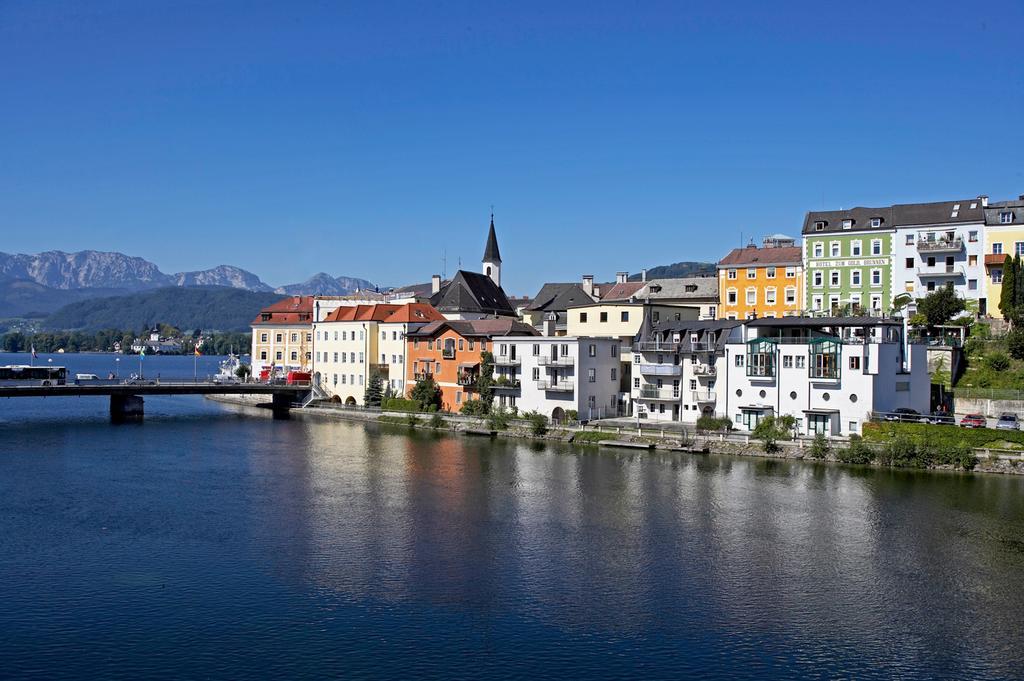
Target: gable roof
472 292
752 255
554 297
411 312
414 313
491 252
623 291
292 310
476 328
833 220
687 287
898 215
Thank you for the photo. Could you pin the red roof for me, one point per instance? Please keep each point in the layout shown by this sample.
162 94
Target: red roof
622 291
291 304
759 257
293 311
411 312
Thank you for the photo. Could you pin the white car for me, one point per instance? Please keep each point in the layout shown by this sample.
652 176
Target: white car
86 377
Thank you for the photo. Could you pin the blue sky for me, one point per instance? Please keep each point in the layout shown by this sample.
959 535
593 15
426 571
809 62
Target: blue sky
296 137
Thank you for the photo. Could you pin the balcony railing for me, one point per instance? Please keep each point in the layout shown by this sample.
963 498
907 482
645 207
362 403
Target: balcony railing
940 245
507 361
549 361
704 369
941 271
555 386
655 393
511 385
702 346
661 369
703 395
447 354
420 376
656 346
466 379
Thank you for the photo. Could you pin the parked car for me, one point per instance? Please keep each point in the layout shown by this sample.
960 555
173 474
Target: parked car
86 377
974 421
1007 421
905 414
942 420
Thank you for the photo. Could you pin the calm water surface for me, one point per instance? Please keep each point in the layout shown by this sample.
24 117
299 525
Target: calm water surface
215 542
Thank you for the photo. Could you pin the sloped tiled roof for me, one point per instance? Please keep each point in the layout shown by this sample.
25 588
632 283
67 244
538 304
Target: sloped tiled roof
554 297
751 255
291 304
472 292
899 215
414 313
477 328
622 291
292 310
390 313
688 287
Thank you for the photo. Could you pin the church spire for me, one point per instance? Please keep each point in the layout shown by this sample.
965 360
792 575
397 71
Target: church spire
491 252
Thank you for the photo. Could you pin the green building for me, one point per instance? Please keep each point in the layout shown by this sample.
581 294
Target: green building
848 261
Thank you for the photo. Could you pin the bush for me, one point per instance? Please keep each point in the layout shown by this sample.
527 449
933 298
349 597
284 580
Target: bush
592 437
498 419
942 435
709 423
412 421
1015 343
572 415
820 447
997 361
538 423
400 404
426 394
475 408
771 429
857 452
437 421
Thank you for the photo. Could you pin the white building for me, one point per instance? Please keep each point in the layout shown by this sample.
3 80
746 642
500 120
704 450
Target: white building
553 375
676 369
830 373
941 243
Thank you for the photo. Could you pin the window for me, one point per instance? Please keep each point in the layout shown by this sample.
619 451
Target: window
876 247
790 295
751 296
751 273
279 338
458 397
855 248
536 373
909 240
972 260
1005 217
583 317
855 363
263 338
591 375
790 273
730 297
972 284
819 250
876 222
295 338
769 296
731 274
800 361
615 374
604 316
909 263
819 225
876 277
295 355
461 346
335 356
592 350
854 277
876 302
834 278
816 303
847 224
739 360
1018 248
655 315
636 382
536 349
818 280
834 249
997 248
769 272
787 361
997 275
972 236
263 354
636 359
565 350
624 316
615 350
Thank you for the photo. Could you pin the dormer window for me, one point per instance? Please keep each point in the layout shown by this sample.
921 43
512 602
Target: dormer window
265 316
819 225
1006 217
847 224
876 222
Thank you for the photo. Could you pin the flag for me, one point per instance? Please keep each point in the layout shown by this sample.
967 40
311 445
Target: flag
34 355
197 351
142 352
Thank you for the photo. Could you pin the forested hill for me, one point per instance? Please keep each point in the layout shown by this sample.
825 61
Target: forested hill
207 308
679 270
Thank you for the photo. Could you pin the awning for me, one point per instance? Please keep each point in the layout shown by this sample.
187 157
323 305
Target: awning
757 407
821 411
469 365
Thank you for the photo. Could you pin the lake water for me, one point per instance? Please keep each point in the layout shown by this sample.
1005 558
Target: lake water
212 541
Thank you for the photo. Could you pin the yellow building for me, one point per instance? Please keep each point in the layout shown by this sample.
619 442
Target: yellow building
1004 236
761 282
282 337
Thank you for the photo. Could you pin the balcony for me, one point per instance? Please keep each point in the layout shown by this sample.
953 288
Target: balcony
661 369
940 245
650 392
466 379
702 346
941 271
549 361
507 361
448 354
555 386
701 396
422 376
704 369
506 387
656 346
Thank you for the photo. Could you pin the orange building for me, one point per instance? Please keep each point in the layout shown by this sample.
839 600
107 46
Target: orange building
761 282
450 352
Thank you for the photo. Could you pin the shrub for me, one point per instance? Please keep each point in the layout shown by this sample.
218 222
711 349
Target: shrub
412 421
942 435
437 421
997 361
373 396
820 447
709 423
572 415
498 419
400 404
538 423
475 408
426 394
592 437
857 452
1015 343
771 429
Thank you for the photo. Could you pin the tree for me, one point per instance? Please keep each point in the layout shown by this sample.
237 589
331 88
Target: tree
940 306
374 393
1015 343
771 429
1008 296
485 381
426 394
901 301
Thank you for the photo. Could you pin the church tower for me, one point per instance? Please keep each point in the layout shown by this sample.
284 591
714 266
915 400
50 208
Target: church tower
491 264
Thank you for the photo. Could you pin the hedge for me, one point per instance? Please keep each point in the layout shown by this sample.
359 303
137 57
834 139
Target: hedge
399 404
947 435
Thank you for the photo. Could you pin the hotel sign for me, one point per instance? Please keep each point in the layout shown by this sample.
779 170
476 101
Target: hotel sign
865 262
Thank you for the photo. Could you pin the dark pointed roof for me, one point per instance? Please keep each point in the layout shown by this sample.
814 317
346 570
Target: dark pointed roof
472 292
491 252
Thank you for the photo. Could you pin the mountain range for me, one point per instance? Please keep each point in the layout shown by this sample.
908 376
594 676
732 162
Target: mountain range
34 285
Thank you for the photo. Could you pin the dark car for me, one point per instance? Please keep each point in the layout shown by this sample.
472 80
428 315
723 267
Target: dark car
973 421
905 414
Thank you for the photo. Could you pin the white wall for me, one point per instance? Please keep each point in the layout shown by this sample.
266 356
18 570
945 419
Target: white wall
902 275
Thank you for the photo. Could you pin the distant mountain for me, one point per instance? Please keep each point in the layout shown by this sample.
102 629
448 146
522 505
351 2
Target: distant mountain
85 269
211 308
679 270
222 275
24 298
325 285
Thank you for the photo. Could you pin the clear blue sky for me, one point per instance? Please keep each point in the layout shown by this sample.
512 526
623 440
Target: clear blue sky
294 137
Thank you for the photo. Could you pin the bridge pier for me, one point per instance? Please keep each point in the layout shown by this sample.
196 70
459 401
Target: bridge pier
282 405
124 408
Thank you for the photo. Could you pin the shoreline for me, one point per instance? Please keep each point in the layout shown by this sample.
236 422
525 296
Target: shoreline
603 437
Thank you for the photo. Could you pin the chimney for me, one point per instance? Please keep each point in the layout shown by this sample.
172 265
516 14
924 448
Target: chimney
548 328
435 284
620 277
588 284
643 275
984 200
